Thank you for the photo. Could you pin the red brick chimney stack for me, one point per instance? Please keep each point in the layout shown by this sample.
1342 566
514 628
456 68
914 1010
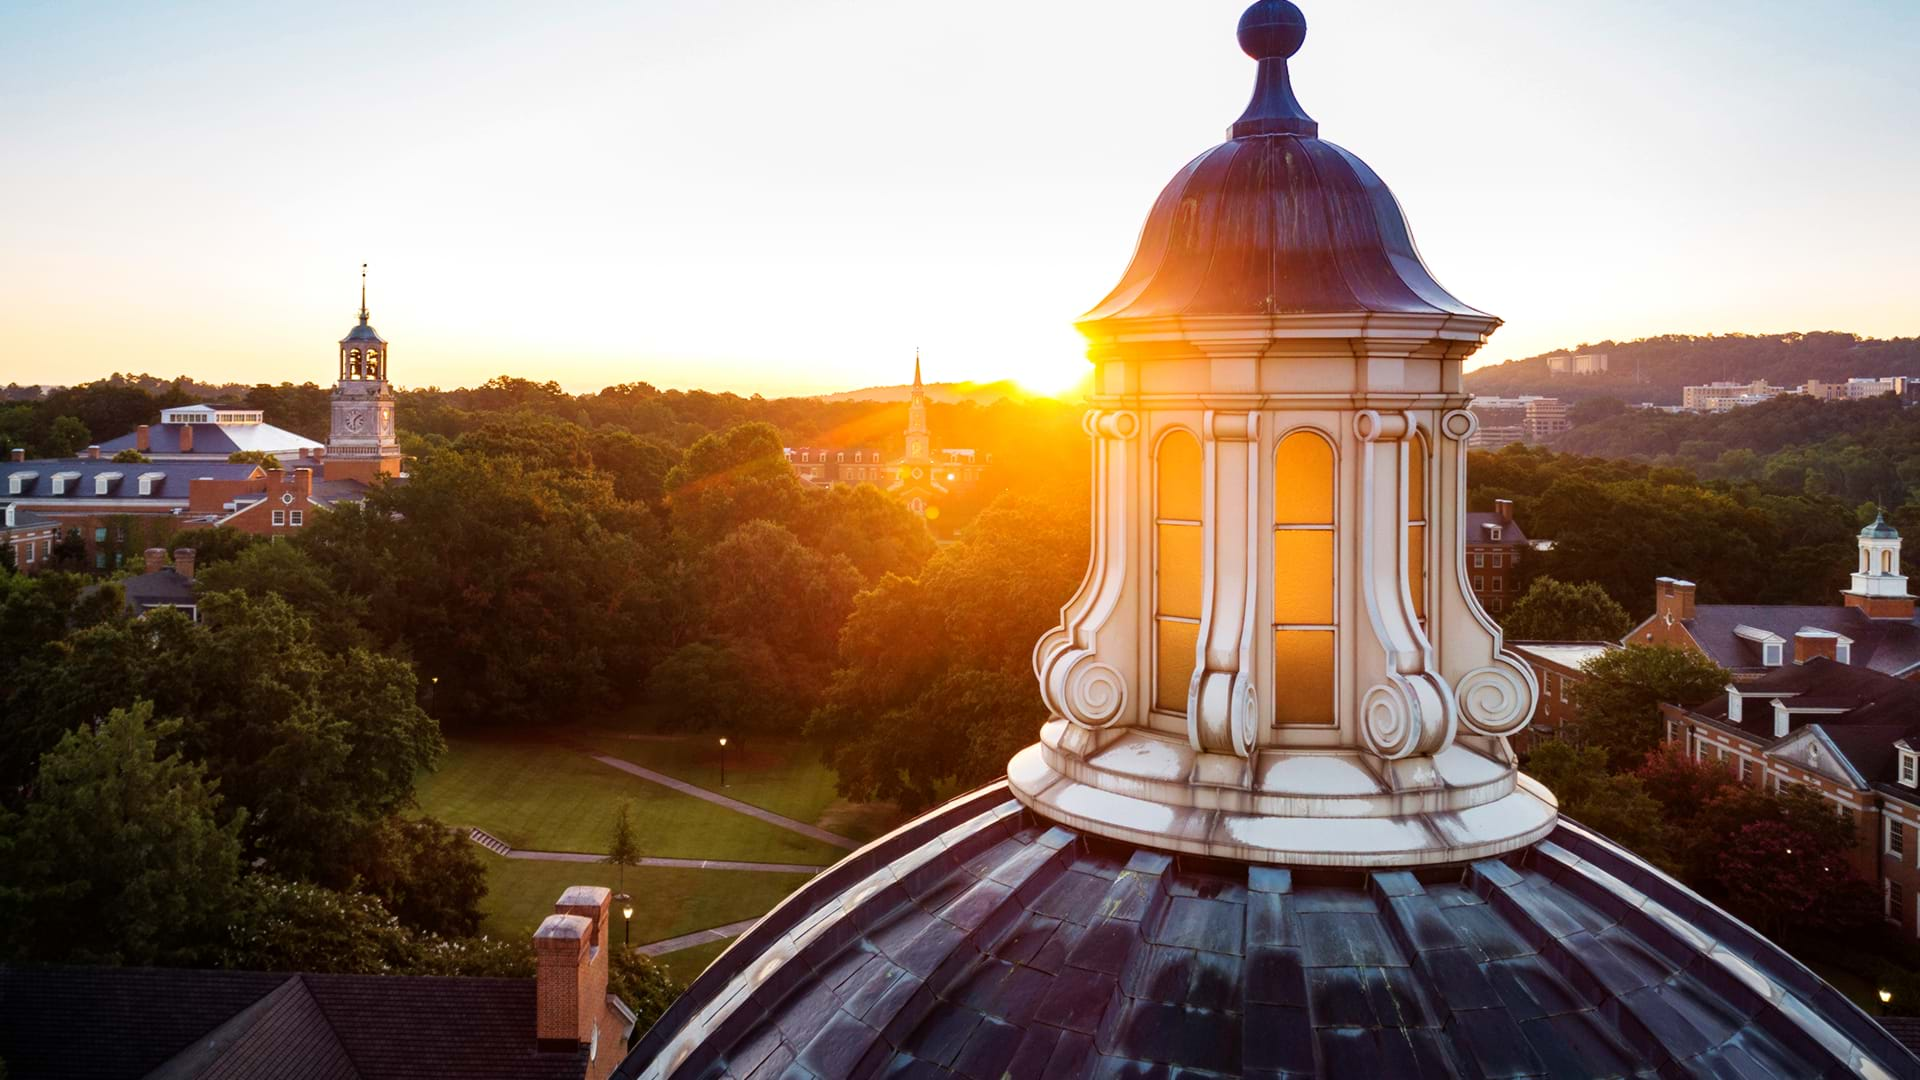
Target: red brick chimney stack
1808 644
183 562
1504 508
186 438
143 438
93 452
571 950
19 454
1673 599
156 559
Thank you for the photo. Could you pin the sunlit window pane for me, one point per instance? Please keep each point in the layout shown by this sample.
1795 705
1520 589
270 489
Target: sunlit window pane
1180 570
1176 643
1303 677
1179 490
1303 577
1303 481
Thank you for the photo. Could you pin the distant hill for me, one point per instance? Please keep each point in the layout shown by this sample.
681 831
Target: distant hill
944 393
1654 369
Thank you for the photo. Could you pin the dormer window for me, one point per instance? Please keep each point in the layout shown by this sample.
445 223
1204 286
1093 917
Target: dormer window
1772 654
1843 652
1909 768
1494 532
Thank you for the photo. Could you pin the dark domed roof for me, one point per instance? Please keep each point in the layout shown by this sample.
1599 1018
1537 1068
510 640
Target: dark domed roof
1276 221
363 332
1880 530
983 941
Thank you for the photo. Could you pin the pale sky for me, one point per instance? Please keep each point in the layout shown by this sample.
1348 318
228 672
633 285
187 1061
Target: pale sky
788 196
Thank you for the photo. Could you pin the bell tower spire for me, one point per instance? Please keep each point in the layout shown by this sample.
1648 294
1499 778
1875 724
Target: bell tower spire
919 440
362 444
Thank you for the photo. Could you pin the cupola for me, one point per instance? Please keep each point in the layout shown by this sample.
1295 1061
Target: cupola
1276 655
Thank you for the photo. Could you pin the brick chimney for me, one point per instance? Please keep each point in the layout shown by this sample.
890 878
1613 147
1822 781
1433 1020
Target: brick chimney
156 559
1809 643
571 952
1504 508
93 452
143 438
183 562
186 438
1673 599
19 454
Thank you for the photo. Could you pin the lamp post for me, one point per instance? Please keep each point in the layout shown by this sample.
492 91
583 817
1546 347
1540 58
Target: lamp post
1886 998
723 761
626 914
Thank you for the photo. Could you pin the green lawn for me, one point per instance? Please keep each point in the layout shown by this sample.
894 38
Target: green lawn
785 776
541 797
667 903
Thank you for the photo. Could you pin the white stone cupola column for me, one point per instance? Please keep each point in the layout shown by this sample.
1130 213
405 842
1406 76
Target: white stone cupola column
1276 655
1878 586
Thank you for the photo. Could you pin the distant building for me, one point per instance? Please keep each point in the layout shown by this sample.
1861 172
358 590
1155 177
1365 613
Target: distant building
1530 419
922 478
1850 734
163 586
30 535
562 1024
1721 396
1558 666
1860 389
210 433
1584 364
1495 544
1546 420
1872 628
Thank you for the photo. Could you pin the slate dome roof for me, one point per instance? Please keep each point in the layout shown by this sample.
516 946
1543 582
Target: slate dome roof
1276 220
363 332
984 941
1880 530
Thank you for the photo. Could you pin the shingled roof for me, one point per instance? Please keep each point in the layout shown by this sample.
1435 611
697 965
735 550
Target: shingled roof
1889 646
116 1023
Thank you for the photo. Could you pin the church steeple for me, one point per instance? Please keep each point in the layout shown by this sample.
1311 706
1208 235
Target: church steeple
919 441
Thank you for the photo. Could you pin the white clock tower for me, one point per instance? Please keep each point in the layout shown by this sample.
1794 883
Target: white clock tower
362 445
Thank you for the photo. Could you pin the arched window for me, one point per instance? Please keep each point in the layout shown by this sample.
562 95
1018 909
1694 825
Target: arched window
1417 523
1177 503
1303 580
1886 561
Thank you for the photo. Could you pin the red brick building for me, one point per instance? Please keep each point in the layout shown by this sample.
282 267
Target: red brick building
923 477
1495 543
1872 627
1558 666
30 535
1848 733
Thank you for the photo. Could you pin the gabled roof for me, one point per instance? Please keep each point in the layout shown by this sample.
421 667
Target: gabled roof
1510 530
161 588
1870 711
103 1023
24 518
1891 646
217 440
172 478
1570 655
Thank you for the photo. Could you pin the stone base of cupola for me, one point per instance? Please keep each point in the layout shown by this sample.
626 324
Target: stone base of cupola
1333 807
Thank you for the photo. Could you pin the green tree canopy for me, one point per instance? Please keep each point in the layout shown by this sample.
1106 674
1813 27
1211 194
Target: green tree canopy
121 856
254 457
1617 806
1619 701
130 456
1554 610
67 436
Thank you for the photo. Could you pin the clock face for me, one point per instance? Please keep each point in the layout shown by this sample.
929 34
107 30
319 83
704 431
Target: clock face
355 422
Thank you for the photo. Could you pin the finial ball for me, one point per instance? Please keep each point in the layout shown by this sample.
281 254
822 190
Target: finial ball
1272 30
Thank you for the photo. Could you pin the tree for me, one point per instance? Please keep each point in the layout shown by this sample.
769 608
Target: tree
70 553
282 925
643 984
1616 806
624 850
254 457
288 572
731 478
1780 860
215 545
121 857
875 531
1553 610
1683 785
66 438
130 456
423 872
7 565
1619 700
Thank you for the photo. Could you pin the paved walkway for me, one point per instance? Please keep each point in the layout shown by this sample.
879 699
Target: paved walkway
698 937
735 805
494 844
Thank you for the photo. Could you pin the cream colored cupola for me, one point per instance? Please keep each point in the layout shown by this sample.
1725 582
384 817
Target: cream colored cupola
1276 655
